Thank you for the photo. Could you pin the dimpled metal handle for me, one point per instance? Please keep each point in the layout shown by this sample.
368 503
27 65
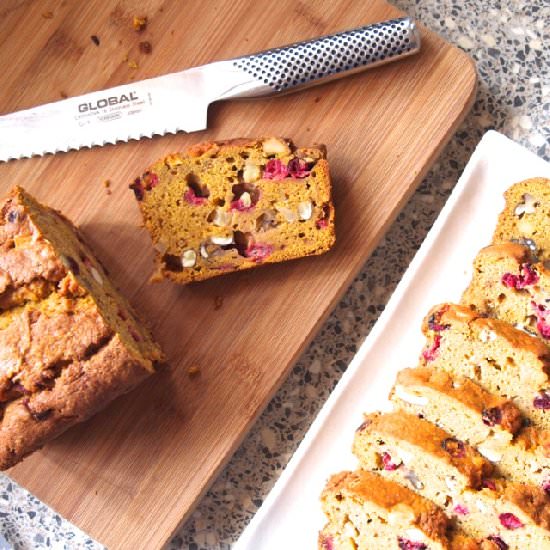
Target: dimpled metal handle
332 56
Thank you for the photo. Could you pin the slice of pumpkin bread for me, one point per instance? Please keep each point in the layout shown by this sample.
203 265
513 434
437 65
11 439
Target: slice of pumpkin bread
419 455
231 205
367 511
509 283
69 342
502 359
491 423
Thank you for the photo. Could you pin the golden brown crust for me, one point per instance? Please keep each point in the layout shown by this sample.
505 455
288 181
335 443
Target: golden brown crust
210 147
531 439
512 419
35 342
461 542
82 389
495 252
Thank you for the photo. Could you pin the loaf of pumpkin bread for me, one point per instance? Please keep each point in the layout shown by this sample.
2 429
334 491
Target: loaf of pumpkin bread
69 342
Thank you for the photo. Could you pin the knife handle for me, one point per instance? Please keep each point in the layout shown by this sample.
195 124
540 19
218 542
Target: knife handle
312 62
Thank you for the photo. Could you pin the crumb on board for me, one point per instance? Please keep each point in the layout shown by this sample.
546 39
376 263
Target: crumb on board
95 39
145 47
193 370
63 94
139 23
47 14
106 183
125 58
132 64
218 302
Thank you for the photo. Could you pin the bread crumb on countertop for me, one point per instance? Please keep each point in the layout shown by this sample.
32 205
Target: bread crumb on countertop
139 23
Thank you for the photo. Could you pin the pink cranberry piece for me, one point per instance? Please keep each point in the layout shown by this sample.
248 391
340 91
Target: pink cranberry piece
258 251
461 510
297 168
327 542
193 199
434 322
388 464
542 401
321 224
546 486
432 325
433 351
275 170
240 206
542 324
544 329
19 387
491 416
510 521
498 541
406 544
489 484
150 180
454 447
527 276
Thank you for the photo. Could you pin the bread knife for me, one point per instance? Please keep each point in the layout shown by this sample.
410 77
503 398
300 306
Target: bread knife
179 101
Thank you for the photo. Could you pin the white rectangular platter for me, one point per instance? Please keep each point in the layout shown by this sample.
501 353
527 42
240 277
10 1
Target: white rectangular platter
290 516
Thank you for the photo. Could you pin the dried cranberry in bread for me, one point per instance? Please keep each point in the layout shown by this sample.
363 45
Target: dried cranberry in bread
231 205
69 342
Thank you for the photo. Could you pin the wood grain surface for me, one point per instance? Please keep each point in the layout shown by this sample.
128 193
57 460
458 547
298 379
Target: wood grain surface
130 475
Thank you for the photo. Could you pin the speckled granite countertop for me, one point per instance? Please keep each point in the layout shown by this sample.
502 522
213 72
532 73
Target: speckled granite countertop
511 48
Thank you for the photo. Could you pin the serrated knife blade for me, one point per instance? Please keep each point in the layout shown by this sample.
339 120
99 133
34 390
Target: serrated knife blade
179 101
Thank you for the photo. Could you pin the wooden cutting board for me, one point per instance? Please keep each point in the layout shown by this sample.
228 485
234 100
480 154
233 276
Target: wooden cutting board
132 474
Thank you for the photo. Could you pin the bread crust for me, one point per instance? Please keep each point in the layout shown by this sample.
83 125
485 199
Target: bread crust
83 388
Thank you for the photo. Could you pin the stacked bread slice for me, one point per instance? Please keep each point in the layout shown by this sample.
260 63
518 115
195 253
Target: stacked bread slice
467 444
